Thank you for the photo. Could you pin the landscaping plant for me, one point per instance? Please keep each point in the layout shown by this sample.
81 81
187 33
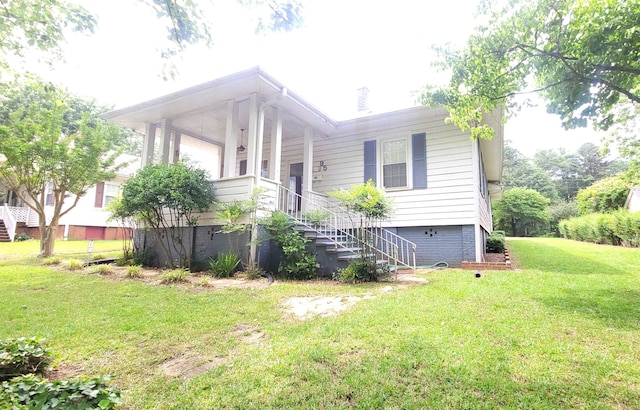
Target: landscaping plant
224 265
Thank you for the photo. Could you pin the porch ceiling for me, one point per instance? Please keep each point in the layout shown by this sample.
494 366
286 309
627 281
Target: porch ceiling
201 111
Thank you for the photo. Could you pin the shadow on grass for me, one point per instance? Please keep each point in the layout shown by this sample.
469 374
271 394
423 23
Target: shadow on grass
618 308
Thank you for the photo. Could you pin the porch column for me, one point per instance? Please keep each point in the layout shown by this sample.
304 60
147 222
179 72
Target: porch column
175 148
230 140
259 142
252 134
307 163
148 144
165 140
275 159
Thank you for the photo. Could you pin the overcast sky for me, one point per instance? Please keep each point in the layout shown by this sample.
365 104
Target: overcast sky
345 45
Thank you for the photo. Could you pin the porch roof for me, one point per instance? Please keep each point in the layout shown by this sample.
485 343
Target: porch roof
200 111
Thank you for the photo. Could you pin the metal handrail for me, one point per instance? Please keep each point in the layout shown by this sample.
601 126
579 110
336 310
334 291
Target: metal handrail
347 230
9 222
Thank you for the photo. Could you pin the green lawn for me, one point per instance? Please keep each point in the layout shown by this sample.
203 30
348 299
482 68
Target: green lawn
31 248
560 332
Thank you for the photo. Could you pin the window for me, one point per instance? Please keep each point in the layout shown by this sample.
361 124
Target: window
401 162
110 193
264 172
105 193
394 163
49 197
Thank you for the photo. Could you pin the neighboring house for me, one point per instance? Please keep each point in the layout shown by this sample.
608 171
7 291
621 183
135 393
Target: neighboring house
88 220
260 133
633 200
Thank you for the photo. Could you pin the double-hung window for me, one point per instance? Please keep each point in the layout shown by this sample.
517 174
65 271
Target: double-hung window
105 193
394 163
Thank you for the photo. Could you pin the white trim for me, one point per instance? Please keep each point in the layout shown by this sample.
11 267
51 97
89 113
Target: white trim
380 140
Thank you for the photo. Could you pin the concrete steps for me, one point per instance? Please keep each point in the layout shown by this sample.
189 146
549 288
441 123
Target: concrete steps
4 234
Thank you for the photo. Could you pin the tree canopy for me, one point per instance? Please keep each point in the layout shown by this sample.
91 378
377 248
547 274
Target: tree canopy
27 25
580 56
52 151
521 212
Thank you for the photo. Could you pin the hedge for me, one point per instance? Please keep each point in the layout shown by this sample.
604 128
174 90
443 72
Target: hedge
617 228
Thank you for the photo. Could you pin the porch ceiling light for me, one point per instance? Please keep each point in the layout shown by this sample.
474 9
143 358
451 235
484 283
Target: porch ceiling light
241 148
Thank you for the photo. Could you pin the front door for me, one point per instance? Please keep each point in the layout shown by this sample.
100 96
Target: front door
295 184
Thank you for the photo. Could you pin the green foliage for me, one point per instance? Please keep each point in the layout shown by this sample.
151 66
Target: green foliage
52 148
224 265
74 264
360 271
316 217
606 195
579 56
618 228
77 394
561 210
166 198
298 263
521 212
21 237
174 276
23 356
102 269
365 199
52 260
133 271
496 242
519 171
254 272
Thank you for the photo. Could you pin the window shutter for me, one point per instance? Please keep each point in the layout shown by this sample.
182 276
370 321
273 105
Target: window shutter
419 149
243 167
99 194
370 160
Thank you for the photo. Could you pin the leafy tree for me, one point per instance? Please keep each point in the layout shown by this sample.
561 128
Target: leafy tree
164 198
580 56
606 195
51 153
561 210
625 133
42 25
521 212
519 171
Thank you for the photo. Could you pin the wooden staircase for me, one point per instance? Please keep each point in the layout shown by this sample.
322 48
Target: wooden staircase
4 234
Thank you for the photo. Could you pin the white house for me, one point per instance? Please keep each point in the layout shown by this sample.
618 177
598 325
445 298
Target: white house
89 218
257 132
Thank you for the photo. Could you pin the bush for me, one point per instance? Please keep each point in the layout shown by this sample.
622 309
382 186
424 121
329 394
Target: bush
225 264
74 264
174 276
496 242
363 271
620 227
254 272
21 237
133 271
102 269
316 217
607 195
34 392
22 356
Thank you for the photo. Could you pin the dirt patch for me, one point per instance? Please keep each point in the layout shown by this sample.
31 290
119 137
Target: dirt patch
249 334
190 366
63 371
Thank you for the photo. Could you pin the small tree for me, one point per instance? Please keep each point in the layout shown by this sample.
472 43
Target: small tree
52 151
371 204
521 212
164 198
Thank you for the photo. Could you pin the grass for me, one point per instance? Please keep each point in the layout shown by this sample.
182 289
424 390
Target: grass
31 248
561 332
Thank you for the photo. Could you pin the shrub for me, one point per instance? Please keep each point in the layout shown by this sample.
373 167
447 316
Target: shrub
316 217
607 195
174 275
225 264
298 263
363 271
496 242
620 227
81 393
21 237
133 271
74 264
52 260
22 356
254 272
102 269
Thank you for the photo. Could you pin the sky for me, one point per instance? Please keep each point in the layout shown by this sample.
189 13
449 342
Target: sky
344 45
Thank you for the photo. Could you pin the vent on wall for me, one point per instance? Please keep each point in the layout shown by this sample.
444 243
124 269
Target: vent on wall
431 232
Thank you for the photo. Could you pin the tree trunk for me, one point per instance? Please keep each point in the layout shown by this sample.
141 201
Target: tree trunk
48 240
513 226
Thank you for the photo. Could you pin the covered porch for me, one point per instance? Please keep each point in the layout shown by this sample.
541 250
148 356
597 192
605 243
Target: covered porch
247 130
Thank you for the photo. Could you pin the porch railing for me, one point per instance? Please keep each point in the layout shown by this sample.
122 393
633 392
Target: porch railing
9 221
346 229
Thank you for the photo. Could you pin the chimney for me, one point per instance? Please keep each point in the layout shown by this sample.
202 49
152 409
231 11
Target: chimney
363 100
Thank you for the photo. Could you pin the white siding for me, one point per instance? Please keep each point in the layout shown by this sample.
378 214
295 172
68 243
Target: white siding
449 196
